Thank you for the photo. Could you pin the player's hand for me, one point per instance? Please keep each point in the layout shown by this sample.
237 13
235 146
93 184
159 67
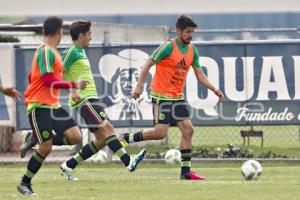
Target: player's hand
75 96
137 92
11 92
219 93
81 84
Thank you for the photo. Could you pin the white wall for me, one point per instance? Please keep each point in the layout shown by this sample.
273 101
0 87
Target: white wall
7 76
123 7
129 33
117 33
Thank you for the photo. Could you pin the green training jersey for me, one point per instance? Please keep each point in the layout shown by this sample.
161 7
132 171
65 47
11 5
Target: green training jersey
166 49
77 67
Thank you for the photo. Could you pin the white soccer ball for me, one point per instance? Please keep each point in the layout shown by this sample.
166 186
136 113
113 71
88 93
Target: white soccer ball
100 157
173 156
251 170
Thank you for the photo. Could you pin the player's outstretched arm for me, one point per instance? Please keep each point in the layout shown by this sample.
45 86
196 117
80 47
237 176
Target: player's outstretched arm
11 92
50 81
204 81
145 70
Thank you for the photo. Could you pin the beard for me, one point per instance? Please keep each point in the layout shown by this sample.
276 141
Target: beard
187 40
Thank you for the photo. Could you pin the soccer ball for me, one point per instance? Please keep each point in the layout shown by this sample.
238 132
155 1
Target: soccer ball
251 170
100 157
173 156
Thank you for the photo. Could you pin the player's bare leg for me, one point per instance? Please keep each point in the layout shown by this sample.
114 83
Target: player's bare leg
73 136
159 132
70 137
187 131
103 136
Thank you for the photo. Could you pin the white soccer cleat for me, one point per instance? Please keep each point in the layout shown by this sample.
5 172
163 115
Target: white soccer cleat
68 172
136 160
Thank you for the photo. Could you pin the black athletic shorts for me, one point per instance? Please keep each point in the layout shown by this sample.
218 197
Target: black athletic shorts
44 121
93 113
170 112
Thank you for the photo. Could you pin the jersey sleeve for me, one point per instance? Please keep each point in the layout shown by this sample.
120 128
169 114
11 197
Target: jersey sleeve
69 57
162 52
45 60
196 62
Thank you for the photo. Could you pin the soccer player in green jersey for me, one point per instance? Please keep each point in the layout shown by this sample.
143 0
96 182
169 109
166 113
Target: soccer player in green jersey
173 60
45 114
86 102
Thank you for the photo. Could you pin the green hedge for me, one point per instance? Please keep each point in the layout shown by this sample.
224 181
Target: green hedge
8 38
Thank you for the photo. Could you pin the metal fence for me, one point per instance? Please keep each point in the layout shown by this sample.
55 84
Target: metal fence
31 34
280 139
243 34
208 142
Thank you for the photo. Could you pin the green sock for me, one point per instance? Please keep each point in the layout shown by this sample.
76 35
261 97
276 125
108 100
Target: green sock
33 167
135 137
86 152
186 155
114 144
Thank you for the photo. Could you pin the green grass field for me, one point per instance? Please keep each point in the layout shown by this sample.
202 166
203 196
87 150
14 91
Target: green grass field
156 182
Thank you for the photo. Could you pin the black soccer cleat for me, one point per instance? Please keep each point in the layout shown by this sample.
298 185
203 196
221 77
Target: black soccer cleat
28 144
25 189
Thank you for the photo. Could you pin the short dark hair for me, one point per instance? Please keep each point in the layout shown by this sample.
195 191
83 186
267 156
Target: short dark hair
79 27
52 25
185 21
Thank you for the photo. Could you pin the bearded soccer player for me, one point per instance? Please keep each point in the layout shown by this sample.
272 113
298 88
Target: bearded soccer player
42 100
173 60
86 102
